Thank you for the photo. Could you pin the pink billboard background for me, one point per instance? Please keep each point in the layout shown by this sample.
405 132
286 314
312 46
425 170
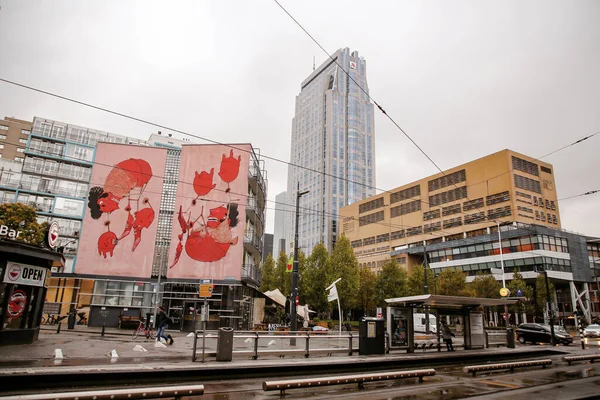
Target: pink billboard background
207 241
121 213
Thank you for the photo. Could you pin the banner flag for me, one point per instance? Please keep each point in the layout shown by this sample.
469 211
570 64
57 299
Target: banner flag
290 264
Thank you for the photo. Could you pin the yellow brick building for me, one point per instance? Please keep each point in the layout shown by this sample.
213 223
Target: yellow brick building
466 201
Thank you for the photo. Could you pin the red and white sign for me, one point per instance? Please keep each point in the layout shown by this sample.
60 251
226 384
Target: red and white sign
16 303
352 65
53 234
23 274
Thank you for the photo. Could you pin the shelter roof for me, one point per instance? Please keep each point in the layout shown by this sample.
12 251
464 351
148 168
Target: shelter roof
448 301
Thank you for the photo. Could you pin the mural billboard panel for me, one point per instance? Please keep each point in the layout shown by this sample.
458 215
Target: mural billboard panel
120 220
207 240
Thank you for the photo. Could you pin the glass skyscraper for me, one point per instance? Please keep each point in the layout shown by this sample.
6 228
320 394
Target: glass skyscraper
332 149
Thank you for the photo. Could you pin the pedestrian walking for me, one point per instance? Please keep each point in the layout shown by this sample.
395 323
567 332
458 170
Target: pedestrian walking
162 321
447 336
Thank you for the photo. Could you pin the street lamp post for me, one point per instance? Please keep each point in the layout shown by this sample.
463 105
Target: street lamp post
552 341
503 278
426 284
294 317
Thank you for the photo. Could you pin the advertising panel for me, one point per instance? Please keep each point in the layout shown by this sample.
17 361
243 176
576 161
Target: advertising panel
120 220
210 212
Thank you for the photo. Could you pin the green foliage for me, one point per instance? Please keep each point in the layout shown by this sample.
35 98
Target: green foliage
416 281
392 281
366 288
486 286
451 283
269 279
514 285
540 293
281 276
345 265
313 280
21 217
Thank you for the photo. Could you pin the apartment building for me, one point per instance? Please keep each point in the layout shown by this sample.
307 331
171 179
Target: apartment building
14 134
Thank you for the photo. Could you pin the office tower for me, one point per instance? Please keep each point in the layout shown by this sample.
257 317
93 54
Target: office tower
332 148
281 214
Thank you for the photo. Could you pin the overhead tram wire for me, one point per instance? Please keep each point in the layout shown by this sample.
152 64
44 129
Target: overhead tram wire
227 145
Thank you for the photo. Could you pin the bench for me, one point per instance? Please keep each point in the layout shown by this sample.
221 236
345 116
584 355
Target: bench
343 380
589 357
153 392
495 338
129 320
474 369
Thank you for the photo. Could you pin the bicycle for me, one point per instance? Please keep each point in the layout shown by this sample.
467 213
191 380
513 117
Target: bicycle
150 333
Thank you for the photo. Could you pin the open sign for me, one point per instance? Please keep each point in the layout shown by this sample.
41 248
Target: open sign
24 274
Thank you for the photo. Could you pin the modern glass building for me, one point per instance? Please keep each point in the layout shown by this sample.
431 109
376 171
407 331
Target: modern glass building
332 148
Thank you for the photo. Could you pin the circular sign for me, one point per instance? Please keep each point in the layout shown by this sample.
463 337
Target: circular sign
16 303
53 234
504 292
14 272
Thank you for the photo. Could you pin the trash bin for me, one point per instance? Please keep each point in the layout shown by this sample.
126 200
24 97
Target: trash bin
71 320
510 338
225 344
371 336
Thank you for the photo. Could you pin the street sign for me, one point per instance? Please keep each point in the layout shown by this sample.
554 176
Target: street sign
519 293
379 313
206 287
504 292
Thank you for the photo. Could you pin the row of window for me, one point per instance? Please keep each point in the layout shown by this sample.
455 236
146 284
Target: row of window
370 218
405 194
406 208
536 264
528 184
447 180
448 196
370 205
525 166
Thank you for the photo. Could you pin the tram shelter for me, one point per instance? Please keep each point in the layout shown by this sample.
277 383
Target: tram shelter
467 311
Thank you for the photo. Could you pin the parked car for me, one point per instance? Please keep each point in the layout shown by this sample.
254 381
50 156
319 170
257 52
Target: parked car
592 331
540 333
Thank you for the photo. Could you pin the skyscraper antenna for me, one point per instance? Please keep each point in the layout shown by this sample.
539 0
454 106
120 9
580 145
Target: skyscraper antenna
313 63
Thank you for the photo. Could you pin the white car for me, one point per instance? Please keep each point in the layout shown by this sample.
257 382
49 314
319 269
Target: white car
592 331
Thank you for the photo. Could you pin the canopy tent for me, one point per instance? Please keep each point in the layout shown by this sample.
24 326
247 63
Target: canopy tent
435 300
279 298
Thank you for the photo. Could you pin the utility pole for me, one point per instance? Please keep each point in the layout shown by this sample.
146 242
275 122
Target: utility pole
294 309
552 341
503 279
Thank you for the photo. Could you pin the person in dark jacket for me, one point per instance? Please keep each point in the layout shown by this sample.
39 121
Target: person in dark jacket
162 321
447 335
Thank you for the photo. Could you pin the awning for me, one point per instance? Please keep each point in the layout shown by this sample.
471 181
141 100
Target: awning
276 296
448 301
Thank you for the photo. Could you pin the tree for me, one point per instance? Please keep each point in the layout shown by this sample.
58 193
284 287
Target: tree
391 282
345 265
269 278
486 286
20 217
540 293
281 276
516 284
451 283
416 281
366 288
313 280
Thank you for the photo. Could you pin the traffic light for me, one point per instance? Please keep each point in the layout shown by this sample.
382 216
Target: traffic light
297 300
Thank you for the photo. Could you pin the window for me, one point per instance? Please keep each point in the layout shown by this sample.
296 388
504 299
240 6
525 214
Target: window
455 209
370 205
547 204
417 230
448 196
397 235
383 238
1 146
473 204
431 215
474 218
525 166
499 212
356 243
407 208
405 194
20 150
450 223
23 141
19 159
435 226
528 184
370 218
546 169
25 132
447 180
3 128
497 198
552 205
2 136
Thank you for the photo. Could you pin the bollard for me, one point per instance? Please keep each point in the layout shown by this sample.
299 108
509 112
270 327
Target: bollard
581 333
102 333
58 329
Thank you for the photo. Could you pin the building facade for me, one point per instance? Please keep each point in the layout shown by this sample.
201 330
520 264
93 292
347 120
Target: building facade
453 218
55 176
281 211
14 134
332 148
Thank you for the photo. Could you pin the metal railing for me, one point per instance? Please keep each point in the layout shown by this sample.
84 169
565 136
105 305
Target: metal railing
153 392
589 357
256 337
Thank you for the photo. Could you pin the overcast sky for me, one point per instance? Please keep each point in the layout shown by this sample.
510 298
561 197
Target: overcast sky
463 78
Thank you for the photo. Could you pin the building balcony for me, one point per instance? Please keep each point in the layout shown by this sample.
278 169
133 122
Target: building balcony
251 274
254 211
254 243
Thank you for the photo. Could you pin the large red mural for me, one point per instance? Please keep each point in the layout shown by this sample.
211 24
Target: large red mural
125 191
207 237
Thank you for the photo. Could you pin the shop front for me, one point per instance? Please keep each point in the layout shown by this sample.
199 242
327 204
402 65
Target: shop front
25 270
